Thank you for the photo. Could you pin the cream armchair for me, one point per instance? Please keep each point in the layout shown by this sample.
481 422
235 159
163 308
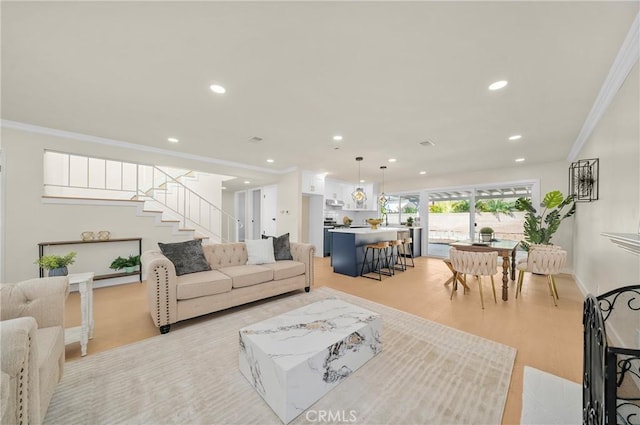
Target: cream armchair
32 357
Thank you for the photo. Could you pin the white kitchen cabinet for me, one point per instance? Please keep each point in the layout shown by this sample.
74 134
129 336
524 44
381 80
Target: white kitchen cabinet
333 190
312 183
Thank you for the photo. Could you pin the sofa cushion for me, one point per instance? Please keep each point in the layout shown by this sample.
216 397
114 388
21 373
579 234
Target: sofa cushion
285 269
225 254
281 247
259 251
247 275
187 257
48 340
50 352
204 283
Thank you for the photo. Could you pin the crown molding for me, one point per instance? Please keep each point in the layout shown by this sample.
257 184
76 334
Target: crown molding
31 128
627 57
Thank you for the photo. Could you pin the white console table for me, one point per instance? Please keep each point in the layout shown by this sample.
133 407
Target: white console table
84 332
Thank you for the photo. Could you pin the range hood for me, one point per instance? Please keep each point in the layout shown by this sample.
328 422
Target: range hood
334 203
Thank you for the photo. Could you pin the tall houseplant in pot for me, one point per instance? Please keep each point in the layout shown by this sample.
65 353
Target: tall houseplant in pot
56 264
540 227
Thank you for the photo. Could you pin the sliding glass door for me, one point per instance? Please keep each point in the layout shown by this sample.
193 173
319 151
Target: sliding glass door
449 220
459 214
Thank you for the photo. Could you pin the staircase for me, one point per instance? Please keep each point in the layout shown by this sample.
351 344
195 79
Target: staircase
162 193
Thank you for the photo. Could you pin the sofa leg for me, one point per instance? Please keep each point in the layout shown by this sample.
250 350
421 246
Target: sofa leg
307 289
165 329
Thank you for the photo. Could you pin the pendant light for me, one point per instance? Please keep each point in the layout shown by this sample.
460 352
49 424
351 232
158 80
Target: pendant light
382 198
358 195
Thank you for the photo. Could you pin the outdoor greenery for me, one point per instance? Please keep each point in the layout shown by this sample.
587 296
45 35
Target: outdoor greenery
410 209
493 206
539 228
56 261
486 231
122 263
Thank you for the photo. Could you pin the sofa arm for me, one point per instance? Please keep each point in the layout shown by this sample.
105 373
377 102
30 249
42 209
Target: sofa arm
43 299
304 253
161 288
21 393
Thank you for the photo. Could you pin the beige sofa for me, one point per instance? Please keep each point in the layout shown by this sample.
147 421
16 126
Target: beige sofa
32 334
229 283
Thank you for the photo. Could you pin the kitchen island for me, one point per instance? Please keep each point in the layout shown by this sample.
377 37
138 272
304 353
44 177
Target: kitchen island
347 246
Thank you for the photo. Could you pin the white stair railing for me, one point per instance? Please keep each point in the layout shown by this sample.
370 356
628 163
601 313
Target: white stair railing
77 176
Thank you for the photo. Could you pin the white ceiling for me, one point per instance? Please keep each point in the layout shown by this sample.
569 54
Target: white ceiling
385 75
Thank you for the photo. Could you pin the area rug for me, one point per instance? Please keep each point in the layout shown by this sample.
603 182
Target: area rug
427 373
550 399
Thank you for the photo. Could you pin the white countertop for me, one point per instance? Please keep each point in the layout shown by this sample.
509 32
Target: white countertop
365 230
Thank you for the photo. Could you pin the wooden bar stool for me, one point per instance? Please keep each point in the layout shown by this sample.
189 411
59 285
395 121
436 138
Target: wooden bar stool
381 248
398 262
407 251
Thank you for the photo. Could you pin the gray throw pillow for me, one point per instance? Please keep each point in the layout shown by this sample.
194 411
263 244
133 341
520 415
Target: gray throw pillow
281 247
187 257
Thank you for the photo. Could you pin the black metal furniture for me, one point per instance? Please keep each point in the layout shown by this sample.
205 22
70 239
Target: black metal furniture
378 265
611 375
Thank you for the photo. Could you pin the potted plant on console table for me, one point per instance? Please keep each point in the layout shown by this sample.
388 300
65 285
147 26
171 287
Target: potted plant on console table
56 264
129 264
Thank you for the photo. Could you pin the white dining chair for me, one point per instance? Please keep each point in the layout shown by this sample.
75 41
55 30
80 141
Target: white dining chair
547 262
477 264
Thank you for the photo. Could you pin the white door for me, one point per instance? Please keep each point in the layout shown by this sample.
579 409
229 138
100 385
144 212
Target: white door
255 215
270 210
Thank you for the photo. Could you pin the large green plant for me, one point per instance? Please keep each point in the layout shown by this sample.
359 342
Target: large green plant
539 228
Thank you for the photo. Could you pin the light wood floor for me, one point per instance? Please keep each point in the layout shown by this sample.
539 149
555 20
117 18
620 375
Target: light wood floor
548 338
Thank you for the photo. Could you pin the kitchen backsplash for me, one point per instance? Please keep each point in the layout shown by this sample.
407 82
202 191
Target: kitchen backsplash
358 217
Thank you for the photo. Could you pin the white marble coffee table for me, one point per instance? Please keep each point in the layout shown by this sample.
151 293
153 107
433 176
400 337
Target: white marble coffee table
295 358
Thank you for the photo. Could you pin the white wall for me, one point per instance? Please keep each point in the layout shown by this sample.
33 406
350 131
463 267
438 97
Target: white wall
599 264
28 220
290 205
228 205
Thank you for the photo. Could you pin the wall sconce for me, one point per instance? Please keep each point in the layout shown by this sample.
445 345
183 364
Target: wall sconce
584 180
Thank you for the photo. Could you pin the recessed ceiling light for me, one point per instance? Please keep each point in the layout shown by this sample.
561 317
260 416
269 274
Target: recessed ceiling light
519 159
217 89
362 181
247 182
515 137
498 85
270 161
423 172
337 137
173 140
392 160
